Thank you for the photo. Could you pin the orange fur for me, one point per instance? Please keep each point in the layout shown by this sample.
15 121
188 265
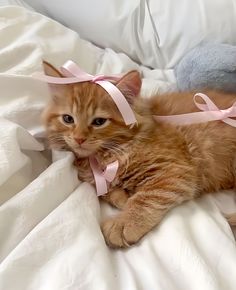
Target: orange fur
160 165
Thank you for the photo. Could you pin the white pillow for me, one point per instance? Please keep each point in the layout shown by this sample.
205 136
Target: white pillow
155 33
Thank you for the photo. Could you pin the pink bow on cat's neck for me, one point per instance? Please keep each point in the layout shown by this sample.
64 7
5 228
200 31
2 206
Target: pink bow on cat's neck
102 177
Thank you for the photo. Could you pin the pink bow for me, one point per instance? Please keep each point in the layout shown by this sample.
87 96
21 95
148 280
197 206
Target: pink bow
210 112
75 75
102 177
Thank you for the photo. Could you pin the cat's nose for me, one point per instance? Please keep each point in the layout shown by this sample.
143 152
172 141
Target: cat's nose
80 140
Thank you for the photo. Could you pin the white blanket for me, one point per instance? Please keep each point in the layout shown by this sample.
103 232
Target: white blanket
50 237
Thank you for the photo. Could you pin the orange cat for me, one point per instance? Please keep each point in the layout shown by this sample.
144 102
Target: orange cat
160 165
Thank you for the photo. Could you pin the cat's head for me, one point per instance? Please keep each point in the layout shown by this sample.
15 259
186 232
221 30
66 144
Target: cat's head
83 117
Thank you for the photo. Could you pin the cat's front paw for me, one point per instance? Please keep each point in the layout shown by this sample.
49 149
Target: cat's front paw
117 198
120 232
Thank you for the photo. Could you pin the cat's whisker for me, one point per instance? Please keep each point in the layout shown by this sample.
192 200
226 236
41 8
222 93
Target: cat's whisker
143 138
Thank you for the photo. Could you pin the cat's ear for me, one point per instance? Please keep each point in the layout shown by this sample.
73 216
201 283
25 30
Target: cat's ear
50 70
130 85
58 91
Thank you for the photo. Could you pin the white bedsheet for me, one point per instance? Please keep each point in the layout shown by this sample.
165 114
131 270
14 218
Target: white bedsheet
49 222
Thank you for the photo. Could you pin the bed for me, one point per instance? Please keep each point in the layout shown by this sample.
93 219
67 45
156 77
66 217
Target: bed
50 237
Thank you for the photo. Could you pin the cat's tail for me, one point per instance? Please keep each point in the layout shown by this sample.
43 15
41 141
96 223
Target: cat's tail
231 218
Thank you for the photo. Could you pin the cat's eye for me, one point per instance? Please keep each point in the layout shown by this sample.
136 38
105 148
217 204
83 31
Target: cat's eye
68 119
97 122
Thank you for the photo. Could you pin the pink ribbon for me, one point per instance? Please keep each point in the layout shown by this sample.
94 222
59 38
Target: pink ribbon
102 177
75 75
210 112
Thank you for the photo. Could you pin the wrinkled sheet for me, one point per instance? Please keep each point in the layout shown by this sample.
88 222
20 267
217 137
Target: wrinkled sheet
49 221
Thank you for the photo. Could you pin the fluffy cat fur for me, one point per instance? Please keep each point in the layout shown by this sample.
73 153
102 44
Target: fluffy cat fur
160 165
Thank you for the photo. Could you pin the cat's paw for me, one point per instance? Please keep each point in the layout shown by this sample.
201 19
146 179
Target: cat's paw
120 232
117 198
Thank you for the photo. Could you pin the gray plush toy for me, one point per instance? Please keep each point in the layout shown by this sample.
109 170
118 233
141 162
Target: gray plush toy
209 65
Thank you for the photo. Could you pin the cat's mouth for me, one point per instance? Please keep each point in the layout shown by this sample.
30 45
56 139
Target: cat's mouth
83 150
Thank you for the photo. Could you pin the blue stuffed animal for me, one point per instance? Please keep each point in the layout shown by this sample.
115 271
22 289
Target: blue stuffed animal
209 65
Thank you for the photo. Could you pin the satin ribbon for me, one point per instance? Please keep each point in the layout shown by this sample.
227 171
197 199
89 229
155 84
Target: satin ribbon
210 112
103 177
74 74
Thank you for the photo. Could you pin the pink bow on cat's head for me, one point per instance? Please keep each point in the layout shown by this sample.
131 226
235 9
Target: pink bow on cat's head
74 74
